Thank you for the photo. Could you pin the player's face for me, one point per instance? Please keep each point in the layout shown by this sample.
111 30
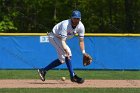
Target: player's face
75 21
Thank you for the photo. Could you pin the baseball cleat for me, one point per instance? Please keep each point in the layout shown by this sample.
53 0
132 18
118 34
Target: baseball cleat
42 74
77 79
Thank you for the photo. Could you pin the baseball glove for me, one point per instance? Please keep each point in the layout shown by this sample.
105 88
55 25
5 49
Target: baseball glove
87 59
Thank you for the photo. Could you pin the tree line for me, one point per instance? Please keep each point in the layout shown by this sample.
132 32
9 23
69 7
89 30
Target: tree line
98 16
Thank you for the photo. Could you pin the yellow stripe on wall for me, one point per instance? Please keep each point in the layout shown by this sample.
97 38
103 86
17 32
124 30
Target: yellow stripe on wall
23 34
86 34
111 34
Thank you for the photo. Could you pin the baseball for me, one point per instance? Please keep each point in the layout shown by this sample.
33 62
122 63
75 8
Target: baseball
63 78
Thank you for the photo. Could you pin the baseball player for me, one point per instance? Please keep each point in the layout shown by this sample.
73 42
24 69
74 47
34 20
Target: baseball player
60 33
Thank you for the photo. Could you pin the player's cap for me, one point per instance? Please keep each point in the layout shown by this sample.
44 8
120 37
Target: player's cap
76 14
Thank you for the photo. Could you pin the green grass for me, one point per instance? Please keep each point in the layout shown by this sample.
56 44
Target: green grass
69 90
57 74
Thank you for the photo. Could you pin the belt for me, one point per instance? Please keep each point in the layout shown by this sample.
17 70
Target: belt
55 35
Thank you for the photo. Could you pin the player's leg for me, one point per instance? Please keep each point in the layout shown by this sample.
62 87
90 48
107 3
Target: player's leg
56 43
53 64
68 63
73 76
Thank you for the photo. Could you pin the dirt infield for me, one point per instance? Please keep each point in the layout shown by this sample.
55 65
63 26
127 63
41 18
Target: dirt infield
14 83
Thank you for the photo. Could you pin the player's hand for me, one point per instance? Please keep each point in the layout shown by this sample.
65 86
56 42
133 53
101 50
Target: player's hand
67 53
87 59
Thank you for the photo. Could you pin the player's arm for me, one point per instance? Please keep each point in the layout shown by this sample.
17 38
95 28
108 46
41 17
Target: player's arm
82 45
64 45
63 36
81 33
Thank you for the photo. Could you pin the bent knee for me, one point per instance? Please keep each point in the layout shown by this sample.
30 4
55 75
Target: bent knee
62 61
